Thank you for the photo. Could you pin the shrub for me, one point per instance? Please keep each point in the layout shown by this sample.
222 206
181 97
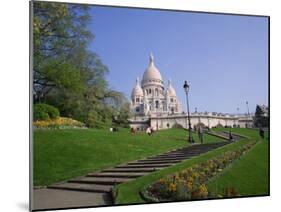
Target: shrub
40 115
44 112
178 126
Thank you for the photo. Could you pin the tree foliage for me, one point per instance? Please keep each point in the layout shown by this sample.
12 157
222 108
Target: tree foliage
261 116
66 73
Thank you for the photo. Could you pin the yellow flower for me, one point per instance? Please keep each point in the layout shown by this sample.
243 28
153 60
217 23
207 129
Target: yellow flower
172 187
190 179
203 191
195 175
189 186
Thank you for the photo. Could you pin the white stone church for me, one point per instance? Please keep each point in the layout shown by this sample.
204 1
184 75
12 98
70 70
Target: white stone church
157 107
150 97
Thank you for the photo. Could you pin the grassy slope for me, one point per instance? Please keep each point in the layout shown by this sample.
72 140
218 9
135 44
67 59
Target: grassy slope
63 154
245 173
249 175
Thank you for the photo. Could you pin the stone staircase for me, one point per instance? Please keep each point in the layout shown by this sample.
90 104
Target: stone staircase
105 180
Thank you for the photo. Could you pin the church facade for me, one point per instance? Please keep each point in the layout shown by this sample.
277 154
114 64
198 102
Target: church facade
149 97
153 105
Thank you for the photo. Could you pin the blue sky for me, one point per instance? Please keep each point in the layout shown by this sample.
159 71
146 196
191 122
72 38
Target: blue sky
223 57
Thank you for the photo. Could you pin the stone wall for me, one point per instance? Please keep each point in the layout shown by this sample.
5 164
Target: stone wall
165 122
168 121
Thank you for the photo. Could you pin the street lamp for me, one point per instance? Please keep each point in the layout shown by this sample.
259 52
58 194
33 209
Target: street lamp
186 89
248 108
248 111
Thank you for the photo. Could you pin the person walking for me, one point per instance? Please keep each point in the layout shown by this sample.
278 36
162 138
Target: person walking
148 131
230 136
200 134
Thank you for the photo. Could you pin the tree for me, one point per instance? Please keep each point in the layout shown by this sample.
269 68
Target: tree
261 116
66 73
61 59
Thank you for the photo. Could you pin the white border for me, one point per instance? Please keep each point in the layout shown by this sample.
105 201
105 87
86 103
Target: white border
14 107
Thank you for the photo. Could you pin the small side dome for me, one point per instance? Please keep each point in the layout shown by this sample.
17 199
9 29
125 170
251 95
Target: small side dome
137 91
170 90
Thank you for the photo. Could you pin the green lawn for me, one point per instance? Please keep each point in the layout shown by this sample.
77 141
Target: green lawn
249 174
64 154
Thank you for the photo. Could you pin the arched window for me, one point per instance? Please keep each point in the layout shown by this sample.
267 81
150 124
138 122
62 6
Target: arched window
157 104
156 92
137 109
149 91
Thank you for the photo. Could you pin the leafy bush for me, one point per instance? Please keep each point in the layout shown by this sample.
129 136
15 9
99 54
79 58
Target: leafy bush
45 112
178 126
40 115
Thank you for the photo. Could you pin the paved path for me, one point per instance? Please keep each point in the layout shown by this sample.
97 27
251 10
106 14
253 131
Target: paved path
57 198
235 136
94 188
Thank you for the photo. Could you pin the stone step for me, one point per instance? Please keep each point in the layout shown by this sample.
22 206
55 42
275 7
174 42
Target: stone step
118 174
146 166
192 151
177 154
154 162
170 156
164 159
83 187
99 180
116 169
167 158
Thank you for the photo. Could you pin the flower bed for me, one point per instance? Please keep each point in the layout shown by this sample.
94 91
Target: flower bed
59 123
191 182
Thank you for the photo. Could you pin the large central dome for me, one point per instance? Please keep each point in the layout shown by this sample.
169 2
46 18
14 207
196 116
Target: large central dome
151 73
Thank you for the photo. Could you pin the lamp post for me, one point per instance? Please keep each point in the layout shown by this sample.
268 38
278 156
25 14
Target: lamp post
248 108
248 111
186 89
237 117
